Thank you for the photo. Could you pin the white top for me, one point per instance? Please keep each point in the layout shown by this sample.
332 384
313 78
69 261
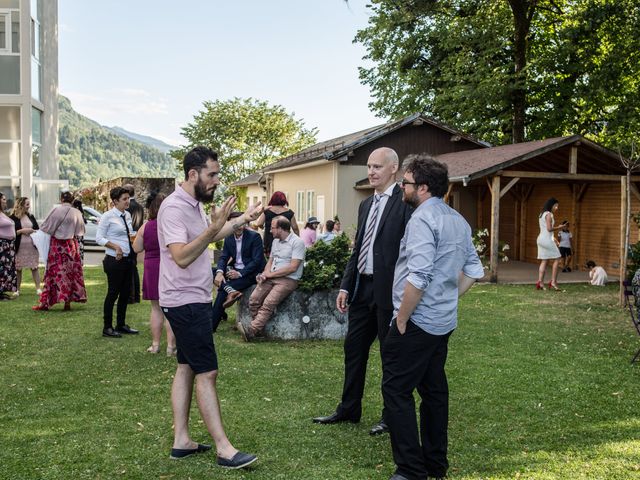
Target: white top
283 251
598 276
384 198
547 248
111 229
239 264
565 239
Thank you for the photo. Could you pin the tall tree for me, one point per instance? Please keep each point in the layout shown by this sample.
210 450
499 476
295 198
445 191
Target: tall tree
508 70
247 134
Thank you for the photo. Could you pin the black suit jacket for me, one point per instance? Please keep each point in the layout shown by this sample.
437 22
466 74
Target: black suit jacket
137 214
252 253
386 248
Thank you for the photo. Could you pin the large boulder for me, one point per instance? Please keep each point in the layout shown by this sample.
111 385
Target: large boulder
301 316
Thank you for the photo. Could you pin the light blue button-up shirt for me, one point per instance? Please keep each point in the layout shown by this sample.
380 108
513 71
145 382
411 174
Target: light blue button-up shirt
435 248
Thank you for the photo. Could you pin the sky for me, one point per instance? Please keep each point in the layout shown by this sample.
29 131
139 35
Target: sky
148 65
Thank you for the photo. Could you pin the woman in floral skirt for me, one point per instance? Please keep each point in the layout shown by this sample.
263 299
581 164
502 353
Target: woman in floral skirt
8 276
63 278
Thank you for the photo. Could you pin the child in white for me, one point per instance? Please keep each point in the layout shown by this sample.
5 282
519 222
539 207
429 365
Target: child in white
597 275
565 246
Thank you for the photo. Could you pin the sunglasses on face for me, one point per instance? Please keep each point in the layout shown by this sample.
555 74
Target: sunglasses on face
407 182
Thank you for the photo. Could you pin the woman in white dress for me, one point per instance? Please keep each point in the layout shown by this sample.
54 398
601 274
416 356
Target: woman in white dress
547 247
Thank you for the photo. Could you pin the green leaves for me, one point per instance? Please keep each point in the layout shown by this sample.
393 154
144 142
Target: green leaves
247 134
325 263
460 61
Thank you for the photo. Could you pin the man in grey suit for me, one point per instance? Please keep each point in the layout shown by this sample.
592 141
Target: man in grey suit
367 282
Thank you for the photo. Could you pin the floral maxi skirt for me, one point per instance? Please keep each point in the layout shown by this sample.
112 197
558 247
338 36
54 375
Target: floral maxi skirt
63 279
8 278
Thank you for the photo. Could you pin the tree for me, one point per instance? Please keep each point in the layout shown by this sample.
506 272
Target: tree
248 134
508 71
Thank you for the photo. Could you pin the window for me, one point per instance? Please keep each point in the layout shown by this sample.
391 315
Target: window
36 50
36 140
9 141
9 31
9 49
311 203
300 211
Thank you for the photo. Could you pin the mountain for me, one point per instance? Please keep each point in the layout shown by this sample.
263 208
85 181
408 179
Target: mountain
150 141
89 152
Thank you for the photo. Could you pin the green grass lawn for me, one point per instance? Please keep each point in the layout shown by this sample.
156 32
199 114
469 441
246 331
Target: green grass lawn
541 388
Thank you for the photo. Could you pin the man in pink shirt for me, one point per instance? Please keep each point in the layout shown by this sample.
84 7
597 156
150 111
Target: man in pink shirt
185 287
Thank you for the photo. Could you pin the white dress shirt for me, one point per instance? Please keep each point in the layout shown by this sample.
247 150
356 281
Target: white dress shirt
384 198
111 229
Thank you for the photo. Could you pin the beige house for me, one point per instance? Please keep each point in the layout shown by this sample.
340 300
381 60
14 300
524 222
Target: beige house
330 178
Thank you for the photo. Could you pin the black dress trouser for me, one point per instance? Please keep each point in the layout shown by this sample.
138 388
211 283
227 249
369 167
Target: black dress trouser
119 277
366 322
413 361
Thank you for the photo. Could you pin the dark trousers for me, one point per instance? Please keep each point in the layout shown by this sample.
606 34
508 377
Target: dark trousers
239 284
119 277
412 361
366 322
134 296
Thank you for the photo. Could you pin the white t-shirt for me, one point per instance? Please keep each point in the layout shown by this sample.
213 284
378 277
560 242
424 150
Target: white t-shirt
565 239
598 276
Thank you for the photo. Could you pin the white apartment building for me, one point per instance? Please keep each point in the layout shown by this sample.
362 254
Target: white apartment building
29 102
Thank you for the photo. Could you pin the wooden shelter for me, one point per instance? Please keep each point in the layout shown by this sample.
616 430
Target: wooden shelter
504 188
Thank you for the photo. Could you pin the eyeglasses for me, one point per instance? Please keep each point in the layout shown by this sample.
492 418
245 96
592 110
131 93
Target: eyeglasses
407 182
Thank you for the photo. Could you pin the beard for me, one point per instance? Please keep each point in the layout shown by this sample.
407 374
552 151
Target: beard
201 193
411 199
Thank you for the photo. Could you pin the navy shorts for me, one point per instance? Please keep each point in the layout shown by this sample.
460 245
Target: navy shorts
192 325
565 251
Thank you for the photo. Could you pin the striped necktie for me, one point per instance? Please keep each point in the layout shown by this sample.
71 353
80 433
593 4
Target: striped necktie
368 234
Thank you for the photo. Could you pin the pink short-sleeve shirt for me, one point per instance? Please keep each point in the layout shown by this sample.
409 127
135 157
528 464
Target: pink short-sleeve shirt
181 219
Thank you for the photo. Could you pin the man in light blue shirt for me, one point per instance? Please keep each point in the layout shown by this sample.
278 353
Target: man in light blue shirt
437 263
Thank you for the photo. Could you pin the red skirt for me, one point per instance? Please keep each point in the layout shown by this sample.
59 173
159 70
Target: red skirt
63 279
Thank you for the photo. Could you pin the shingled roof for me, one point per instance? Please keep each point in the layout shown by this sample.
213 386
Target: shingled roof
469 165
248 180
338 147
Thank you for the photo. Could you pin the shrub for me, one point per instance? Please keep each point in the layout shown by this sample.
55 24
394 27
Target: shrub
325 263
479 239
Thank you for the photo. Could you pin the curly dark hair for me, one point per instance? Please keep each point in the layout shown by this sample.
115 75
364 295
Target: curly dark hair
428 171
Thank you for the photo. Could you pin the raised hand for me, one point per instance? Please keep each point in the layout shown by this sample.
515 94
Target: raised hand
253 212
220 214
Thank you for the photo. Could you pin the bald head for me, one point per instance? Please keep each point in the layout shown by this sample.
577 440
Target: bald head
382 166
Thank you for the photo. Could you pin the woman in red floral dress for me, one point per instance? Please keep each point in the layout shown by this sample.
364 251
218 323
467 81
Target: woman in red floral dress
63 278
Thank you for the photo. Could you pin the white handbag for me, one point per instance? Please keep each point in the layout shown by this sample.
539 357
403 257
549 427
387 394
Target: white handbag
42 241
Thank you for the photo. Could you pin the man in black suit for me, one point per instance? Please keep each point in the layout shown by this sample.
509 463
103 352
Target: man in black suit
137 218
367 281
236 269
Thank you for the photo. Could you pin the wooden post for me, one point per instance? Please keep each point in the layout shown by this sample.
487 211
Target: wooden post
515 252
573 160
495 227
480 207
574 225
623 218
526 193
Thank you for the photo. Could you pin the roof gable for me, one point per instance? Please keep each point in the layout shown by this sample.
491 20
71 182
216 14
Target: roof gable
340 146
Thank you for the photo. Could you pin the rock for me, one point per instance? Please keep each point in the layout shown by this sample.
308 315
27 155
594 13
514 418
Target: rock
301 316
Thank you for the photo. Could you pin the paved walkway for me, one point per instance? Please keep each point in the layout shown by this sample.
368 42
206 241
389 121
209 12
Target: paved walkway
522 273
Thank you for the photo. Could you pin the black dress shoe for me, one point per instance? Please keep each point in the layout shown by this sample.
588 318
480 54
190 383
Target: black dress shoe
110 332
239 460
177 453
126 329
379 428
335 417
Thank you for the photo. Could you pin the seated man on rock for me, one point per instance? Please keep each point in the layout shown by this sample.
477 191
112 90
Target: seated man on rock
241 260
279 278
